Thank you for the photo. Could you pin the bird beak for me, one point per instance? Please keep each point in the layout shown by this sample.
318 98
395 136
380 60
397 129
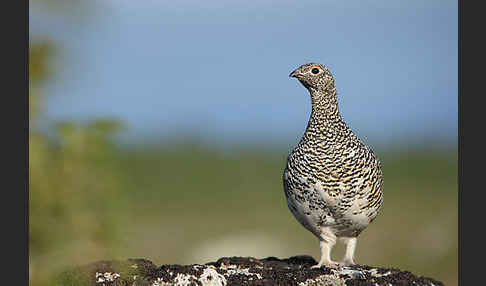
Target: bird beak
294 74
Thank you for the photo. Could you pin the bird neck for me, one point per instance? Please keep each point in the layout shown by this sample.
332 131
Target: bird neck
325 111
325 123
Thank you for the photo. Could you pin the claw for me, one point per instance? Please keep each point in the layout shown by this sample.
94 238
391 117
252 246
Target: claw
347 263
330 265
341 264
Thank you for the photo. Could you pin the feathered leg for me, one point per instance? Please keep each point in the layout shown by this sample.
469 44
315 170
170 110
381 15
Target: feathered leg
350 243
327 240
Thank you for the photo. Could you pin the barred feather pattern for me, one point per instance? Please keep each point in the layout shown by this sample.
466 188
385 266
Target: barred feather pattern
331 179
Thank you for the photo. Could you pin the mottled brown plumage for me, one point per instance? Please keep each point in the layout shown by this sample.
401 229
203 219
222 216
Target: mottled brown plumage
333 182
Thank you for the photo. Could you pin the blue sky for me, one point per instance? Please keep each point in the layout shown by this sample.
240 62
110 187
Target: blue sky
220 70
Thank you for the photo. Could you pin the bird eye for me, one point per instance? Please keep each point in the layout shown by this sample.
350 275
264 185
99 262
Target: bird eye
315 70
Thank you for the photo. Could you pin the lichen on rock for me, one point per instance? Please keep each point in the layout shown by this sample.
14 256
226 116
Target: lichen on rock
228 271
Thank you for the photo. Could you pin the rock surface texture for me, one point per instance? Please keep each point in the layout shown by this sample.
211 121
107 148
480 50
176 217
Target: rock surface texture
236 271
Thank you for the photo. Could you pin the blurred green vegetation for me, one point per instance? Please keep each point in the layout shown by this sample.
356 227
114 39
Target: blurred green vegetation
73 179
91 199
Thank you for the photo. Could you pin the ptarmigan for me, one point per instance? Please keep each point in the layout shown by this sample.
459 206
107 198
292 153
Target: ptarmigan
332 181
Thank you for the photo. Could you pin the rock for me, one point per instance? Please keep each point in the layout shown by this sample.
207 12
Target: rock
236 271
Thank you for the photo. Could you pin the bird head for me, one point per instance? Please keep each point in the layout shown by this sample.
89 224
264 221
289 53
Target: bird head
314 76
